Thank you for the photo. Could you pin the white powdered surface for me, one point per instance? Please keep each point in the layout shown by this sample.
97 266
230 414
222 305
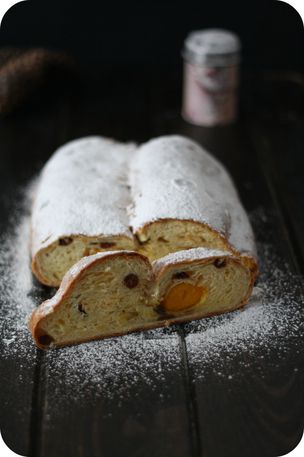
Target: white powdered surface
112 367
18 295
174 177
271 323
83 191
190 254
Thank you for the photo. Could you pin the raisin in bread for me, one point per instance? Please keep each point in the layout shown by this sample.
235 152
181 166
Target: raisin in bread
80 206
115 293
184 198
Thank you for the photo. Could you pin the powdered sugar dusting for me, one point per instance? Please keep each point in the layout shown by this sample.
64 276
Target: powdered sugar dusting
272 323
172 177
190 254
18 292
270 327
266 323
83 191
109 367
98 187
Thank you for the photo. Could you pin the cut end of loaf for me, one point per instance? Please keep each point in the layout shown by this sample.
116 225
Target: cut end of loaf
116 293
167 236
210 285
154 240
51 263
162 237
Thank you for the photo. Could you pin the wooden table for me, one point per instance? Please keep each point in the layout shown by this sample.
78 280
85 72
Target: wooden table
194 416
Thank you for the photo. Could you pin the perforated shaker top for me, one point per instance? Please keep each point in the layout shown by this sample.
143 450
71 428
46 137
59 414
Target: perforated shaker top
212 47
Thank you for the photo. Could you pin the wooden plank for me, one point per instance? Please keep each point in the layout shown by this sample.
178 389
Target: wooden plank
281 151
25 140
130 401
248 405
277 131
265 415
149 394
111 103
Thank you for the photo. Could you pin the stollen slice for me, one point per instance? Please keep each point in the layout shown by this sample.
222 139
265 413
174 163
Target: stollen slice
102 295
201 282
114 293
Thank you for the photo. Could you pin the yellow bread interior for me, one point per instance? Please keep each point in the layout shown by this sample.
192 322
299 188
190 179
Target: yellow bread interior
163 237
206 288
121 294
154 241
52 262
106 299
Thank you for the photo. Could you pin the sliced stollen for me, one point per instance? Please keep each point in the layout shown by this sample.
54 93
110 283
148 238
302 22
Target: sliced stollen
114 293
184 198
201 282
80 206
105 294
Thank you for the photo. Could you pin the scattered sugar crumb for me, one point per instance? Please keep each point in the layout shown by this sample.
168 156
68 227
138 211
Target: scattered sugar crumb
266 331
111 367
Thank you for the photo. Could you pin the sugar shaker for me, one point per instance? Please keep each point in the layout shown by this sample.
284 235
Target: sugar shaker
211 76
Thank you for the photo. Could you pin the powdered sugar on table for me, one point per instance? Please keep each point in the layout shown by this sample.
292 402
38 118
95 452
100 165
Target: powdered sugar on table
272 321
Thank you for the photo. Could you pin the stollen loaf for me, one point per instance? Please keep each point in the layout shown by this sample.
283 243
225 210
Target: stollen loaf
168 195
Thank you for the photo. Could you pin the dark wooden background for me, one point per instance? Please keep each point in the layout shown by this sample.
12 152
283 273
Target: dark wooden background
258 417
151 33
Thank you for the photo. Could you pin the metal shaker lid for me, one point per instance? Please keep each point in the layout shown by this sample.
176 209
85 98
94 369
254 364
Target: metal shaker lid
214 47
